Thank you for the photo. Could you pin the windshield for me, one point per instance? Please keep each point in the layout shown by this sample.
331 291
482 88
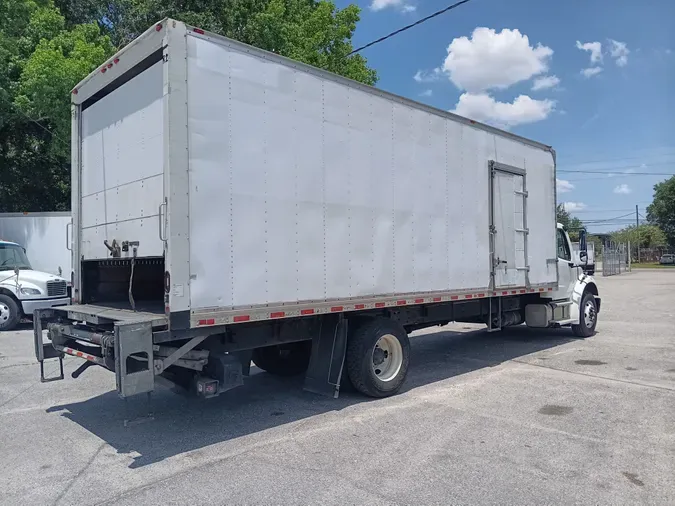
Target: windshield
12 256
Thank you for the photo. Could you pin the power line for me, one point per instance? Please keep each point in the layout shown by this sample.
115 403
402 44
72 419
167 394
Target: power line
408 27
620 159
610 173
616 168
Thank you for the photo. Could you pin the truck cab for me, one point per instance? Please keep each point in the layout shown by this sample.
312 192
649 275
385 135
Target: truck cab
23 290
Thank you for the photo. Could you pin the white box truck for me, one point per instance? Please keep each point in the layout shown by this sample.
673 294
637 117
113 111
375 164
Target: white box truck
34 264
44 235
232 205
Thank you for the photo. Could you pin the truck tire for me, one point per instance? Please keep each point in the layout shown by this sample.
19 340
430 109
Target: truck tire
288 359
378 355
588 316
10 313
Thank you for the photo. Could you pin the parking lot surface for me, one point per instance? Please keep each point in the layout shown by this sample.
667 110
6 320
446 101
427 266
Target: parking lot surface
519 417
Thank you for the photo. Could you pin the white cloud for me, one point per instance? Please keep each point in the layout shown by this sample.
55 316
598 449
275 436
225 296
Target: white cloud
494 60
571 207
545 82
426 93
623 189
595 48
378 5
428 76
563 186
591 71
484 108
619 51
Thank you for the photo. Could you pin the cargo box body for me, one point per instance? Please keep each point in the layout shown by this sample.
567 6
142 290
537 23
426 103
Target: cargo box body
246 186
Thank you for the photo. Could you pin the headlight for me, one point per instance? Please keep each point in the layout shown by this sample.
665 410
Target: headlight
30 291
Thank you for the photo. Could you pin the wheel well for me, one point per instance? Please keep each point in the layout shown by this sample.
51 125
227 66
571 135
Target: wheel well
4 291
593 288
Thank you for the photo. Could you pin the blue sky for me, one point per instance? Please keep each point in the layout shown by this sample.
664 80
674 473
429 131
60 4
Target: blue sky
620 115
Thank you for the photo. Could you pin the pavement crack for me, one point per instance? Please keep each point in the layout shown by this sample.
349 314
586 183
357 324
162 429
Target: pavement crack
597 376
79 474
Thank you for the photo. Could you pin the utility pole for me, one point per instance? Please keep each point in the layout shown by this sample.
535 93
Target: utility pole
637 229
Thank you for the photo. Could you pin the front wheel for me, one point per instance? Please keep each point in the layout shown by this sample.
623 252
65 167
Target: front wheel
378 354
588 317
10 314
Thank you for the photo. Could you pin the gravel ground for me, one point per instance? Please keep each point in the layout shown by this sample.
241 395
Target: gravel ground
521 417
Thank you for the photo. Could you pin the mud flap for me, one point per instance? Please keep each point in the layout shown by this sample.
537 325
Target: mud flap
134 368
329 346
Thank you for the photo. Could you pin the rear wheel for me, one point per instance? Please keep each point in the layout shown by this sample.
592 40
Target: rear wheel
10 314
378 354
588 317
288 359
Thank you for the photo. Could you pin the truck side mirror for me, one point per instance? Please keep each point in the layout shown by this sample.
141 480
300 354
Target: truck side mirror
583 247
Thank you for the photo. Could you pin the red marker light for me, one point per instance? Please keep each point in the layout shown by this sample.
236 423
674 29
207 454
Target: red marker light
116 61
158 27
109 65
103 70
198 30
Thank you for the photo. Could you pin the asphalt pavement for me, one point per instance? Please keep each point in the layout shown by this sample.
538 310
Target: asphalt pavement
519 417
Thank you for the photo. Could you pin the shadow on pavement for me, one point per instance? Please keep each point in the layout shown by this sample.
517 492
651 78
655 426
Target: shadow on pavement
183 423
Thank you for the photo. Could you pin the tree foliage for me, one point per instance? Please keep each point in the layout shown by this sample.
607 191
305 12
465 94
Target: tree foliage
48 46
661 212
571 223
643 236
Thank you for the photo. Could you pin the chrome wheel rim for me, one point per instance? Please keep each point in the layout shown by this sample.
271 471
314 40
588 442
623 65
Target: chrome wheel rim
5 313
589 314
387 358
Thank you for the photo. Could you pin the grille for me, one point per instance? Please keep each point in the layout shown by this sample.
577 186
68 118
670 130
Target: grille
56 288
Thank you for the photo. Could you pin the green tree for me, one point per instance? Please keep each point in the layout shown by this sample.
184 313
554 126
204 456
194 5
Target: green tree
41 59
661 212
48 46
644 236
571 223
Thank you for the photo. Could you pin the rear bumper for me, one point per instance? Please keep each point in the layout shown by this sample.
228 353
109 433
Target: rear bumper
29 306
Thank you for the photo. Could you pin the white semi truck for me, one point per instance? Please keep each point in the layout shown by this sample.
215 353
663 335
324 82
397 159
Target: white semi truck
232 205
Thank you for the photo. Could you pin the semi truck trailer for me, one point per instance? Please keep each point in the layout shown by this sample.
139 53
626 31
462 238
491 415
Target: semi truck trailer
231 206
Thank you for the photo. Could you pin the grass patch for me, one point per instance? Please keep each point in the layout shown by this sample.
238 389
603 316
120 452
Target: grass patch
652 265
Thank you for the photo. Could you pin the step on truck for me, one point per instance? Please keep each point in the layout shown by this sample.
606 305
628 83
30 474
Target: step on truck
232 206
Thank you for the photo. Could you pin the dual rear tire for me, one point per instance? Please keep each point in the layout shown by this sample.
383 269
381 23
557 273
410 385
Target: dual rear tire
376 361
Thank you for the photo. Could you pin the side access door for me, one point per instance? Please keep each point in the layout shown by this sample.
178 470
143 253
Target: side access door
508 227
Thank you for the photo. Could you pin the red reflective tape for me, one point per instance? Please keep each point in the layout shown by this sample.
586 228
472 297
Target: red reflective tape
278 314
379 304
523 291
550 289
454 297
307 311
531 289
337 309
359 306
419 301
400 303
480 295
437 299
468 296
210 321
541 289
241 318
505 293
79 354
514 291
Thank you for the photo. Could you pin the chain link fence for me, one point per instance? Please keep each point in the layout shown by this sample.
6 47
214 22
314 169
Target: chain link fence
616 259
